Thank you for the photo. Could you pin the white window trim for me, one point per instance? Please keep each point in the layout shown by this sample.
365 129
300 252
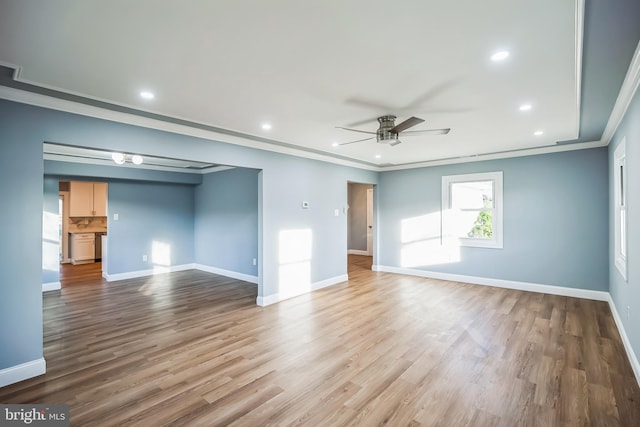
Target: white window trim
496 177
620 194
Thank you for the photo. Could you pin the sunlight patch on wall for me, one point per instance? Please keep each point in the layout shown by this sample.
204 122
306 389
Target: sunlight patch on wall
422 244
160 257
50 241
294 259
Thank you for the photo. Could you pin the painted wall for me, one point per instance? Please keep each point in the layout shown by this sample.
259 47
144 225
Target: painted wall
554 221
322 236
226 220
153 206
357 216
286 182
627 293
50 232
21 189
154 219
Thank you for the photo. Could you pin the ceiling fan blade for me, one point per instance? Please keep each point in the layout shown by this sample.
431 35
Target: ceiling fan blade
363 122
371 104
432 93
353 142
410 122
427 132
356 130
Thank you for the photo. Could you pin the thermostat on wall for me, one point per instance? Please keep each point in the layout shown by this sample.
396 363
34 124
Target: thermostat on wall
305 205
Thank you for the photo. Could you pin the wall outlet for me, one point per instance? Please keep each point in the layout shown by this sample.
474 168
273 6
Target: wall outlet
336 212
144 258
255 262
115 216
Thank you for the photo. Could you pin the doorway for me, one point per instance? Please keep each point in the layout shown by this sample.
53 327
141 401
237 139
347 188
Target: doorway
360 224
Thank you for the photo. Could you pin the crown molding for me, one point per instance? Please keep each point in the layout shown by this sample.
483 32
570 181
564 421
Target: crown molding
40 100
626 94
578 62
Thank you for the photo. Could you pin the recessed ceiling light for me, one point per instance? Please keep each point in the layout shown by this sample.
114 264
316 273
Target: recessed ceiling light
147 95
500 56
136 159
335 144
538 133
378 156
266 126
525 107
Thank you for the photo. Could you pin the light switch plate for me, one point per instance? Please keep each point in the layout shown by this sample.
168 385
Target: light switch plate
115 217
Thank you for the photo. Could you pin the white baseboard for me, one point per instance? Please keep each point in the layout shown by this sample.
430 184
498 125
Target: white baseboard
268 300
357 252
144 273
635 364
329 282
51 286
274 298
499 283
22 372
227 273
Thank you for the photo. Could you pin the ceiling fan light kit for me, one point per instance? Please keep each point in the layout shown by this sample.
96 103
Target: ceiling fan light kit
388 132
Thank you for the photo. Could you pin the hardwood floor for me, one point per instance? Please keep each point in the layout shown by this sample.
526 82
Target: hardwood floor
192 348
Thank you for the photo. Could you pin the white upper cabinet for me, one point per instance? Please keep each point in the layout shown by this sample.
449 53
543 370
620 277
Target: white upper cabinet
87 199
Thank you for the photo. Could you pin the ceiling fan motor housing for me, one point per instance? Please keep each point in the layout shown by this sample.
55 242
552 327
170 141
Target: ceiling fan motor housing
384 134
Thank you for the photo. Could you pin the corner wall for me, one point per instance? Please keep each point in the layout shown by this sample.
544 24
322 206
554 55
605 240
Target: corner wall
555 218
627 293
21 189
226 221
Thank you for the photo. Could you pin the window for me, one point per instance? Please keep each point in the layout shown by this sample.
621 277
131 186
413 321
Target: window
472 209
620 183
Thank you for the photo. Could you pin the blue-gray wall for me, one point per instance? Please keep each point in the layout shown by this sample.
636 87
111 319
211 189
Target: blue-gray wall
627 293
149 213
555 211
21 189
152 206
226 220
286 182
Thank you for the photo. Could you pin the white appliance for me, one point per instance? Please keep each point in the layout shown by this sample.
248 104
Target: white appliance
83 249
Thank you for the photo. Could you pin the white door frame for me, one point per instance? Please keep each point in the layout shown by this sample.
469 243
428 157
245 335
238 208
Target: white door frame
370 221
65 225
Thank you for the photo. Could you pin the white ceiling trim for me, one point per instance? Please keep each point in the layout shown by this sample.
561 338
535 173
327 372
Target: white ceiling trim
40 100
578 61
105 162
627 91
503 155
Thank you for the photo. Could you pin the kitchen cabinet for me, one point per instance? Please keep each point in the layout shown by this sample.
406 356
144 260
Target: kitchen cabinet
83 248
87 199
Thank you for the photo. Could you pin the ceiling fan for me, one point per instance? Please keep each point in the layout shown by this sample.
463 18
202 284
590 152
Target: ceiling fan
388 132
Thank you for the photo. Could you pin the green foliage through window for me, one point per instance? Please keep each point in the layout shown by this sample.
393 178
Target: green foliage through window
483 226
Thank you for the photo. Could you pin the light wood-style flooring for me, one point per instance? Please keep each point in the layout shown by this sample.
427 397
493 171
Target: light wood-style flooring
192 348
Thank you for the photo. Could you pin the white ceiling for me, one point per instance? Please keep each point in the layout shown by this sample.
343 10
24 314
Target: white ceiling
307 67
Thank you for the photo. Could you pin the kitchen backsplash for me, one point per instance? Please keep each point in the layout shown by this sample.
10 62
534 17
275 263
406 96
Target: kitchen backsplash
98 223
